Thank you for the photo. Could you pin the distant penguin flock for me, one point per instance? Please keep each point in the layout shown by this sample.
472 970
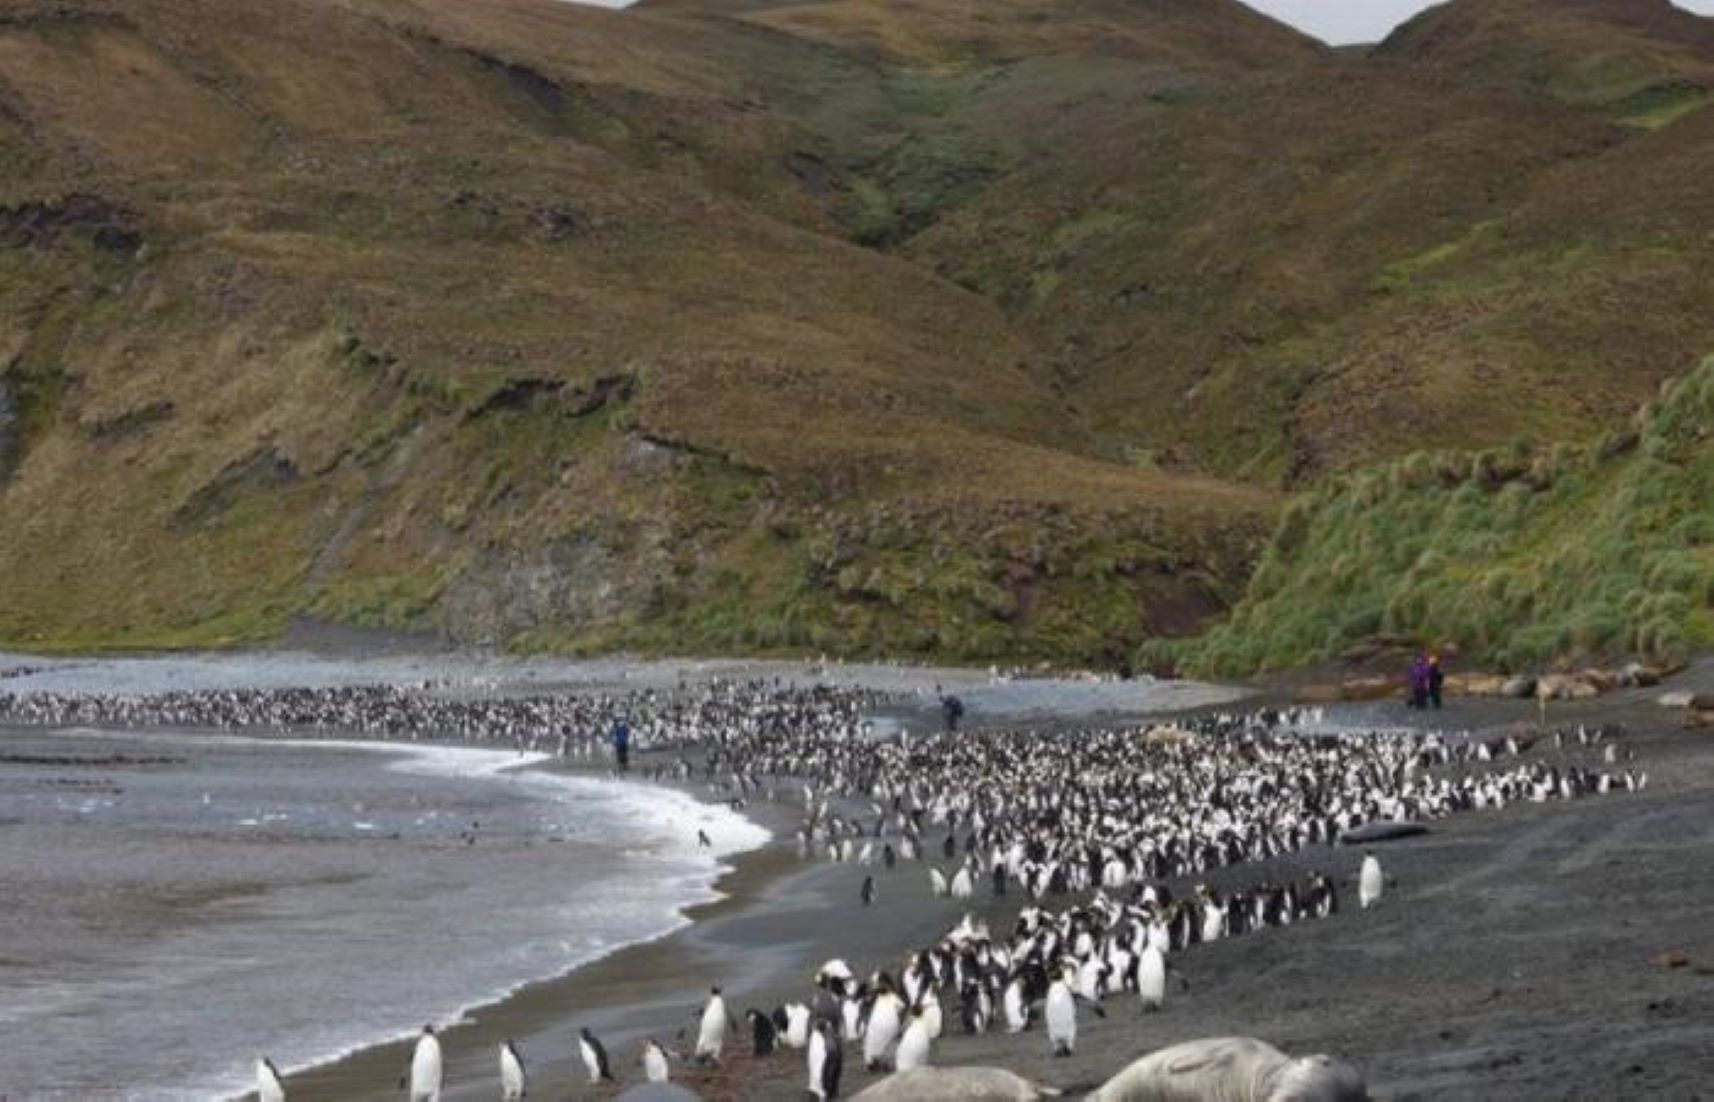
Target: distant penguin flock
1123 847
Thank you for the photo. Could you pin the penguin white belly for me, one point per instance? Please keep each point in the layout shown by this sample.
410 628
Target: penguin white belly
712 1031
1013 1004
1151 978
1089 980
913 1047
511 1075
268 1085
1213 922
817 1060
426 1070
797 1025
1061 1019
882 1032
1370 883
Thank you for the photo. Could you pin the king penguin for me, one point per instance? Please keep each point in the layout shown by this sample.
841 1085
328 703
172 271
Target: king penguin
914 1045
269 1088
594 1056
882 1031
512 1077
711 1034
655 1067
1151 977
1061 1014
426 1068
826 1062
1370 882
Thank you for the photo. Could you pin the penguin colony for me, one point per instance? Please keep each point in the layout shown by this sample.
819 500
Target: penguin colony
1091 828
569 725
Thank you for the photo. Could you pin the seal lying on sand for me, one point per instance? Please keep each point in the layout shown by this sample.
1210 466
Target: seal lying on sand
1382 830
1233 1069
955 1085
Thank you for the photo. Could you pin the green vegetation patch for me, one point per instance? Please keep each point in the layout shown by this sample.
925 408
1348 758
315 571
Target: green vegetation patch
1519 556
1660 105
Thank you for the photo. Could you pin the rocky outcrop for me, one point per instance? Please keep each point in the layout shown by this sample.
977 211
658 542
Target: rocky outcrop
571 586
261 469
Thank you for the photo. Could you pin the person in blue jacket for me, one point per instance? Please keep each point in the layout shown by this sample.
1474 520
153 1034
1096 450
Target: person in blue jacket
622 744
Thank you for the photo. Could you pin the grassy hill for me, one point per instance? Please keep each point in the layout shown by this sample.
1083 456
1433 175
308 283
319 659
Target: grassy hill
1518 556
867 326
1642 62
405 316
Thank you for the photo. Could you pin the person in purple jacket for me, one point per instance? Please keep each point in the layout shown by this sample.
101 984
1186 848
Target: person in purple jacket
1419 675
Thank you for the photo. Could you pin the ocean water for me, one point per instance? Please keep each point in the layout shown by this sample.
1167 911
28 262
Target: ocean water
175 905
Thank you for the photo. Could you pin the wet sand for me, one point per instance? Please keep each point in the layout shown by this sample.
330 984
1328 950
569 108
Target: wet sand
1518 956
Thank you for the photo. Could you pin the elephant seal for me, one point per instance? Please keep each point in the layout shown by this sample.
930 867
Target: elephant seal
1233 1069
955 1085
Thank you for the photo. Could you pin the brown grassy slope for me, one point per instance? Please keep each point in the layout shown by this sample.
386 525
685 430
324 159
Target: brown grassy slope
377 312
1637 58
1207 34
1225 282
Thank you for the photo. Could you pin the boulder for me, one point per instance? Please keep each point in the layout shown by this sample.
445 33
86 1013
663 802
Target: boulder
1603 680
1637 675
1564 686
1475 684
1520 688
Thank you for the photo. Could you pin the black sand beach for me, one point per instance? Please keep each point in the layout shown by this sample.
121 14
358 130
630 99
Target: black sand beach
1548 951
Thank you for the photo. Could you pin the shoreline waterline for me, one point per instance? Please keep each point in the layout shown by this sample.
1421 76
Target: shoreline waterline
659 827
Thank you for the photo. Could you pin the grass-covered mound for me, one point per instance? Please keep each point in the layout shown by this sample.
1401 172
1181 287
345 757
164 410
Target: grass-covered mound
1519 556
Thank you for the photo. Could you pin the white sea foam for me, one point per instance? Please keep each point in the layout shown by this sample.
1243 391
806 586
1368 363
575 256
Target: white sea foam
362 934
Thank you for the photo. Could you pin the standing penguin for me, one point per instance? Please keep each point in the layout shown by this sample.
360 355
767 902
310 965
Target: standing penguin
512 1077
882 1031
1151 978
655 1067
1061 1014
594 1057
868 892
914 1045
1016 1007
826 1062
711 1034
763 1033
1213 918
426 1068
1370 882
269 1088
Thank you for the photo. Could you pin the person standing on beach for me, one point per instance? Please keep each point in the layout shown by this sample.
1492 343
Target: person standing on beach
1419 681
1435 681
622 744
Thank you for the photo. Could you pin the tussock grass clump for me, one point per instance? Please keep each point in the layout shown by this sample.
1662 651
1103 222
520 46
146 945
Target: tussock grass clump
1532 556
